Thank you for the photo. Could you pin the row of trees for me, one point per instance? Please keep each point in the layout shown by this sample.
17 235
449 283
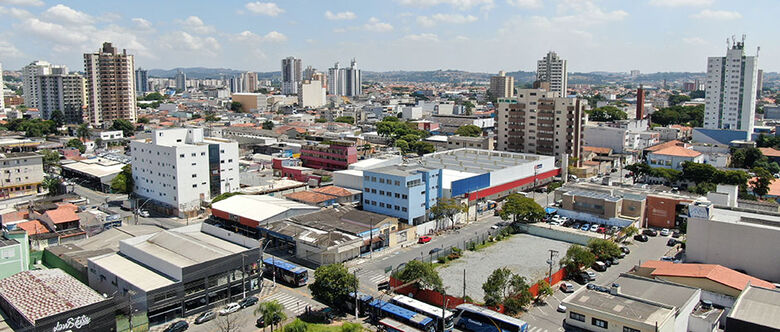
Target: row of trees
606 113
578 256
693 172
692 116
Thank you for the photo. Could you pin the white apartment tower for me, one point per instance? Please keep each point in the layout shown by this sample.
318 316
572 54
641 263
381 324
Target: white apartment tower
180 81
291 75
63 92
552 69
29 75
336 81
180 169
141 81
110 85
730 102
502 86
2 86
354 80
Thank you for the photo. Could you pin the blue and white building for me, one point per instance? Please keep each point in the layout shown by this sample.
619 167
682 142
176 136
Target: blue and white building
406 192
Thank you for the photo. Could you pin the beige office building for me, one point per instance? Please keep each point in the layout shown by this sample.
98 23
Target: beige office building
502 86
110 85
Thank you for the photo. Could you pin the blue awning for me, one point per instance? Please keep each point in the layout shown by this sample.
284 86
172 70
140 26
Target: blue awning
550 210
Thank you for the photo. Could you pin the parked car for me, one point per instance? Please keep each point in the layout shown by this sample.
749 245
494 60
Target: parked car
261 321
178 326
591 275
247 302
229 309
205 317
614 260
667 259
591 286
671 242
594 227
581 278
567 287
496 226
143 213
576 226
601 230
665 232
640 237
614 229
561 308
599 266
650 232
625 249
568 223
424 239
585 227
676 234
607 262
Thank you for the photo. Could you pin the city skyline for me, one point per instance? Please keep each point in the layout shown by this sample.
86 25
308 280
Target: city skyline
469 35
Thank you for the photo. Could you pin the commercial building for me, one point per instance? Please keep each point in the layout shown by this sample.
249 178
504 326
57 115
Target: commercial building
179 272
244 213
312 94
20 174
250 101
51 300
110 86
141 81
602 207
449 124
180 169
406 192
291 75
552 69
29 75
337 155
180 80
502 86
731 91
96 173
540 122
442 142
756 309
711 240
63 92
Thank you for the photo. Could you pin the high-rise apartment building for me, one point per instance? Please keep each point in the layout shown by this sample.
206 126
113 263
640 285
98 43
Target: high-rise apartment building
552 69
321 77
63 92
250 81
180 168
29 75
291 75
141 81
354 80
759 83
180 80
2 86
110 85
336 80
730 101
311 94
502 86
541 122
308 73
236 84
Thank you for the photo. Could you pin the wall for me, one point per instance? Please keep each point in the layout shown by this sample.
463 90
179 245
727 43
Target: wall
661 211
549 233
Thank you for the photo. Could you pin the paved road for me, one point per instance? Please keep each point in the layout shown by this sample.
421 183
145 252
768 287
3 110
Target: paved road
545 318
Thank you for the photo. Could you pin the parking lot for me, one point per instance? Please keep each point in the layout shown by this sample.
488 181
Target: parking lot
524 254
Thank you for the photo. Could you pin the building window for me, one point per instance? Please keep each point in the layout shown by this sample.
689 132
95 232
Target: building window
575 316
195 185
628 329
194 175
598 322
403 209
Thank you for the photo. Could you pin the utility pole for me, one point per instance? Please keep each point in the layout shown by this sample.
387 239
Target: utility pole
552 253
443 309
464 283
243 278
354 273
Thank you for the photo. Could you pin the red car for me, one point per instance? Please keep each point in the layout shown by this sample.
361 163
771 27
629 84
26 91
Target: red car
424 239
601 229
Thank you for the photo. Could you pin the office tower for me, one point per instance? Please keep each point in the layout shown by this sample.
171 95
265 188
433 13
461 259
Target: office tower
317 76
29 85
250 81
552 69
110 85
502 86
730 101
141 81
63 92
2 86
759 83
336 81
181 81
353 80
308 73
291 75
237 84
640 103
541 122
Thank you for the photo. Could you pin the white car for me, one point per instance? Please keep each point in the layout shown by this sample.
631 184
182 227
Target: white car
665 232
561 308
143 213
494 227
594 227
229 309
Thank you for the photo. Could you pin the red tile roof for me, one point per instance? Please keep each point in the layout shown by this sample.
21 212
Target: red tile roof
308 197
664 145
597 149
714 272
333 191
770 152
33 227
677 151
62 214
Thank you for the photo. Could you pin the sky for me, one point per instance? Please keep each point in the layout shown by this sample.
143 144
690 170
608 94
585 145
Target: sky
387 35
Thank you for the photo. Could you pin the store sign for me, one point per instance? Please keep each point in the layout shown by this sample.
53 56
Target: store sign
72 323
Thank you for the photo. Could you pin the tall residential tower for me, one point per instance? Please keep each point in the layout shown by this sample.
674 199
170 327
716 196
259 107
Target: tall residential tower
110 85
730 102
141 81
502 86
552 69
291 75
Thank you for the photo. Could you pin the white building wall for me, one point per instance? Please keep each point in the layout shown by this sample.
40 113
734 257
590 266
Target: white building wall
606 137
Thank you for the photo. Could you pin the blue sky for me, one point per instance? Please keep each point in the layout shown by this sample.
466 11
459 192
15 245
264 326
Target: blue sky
473 35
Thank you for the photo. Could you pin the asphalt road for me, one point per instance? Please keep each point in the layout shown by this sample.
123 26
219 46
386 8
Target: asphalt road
113 201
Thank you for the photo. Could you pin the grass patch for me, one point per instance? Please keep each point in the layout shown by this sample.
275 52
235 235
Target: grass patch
317 327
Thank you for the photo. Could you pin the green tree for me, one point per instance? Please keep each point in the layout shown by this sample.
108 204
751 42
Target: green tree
761 182
76 143
154 96
272 312
469 131
746 157
320 120
52 184
703 188
83 131
268 125
423 274
639 169
224 196
235 106
332 284
606 113
576 257
698 172
683 115
675 100
295 326
697 94
58 118
127 128
543 289
123 182
351 327
734 177
631 231
402 145
446 208
521 208
422 148
603 248
345 119
210 117
51 159
507 288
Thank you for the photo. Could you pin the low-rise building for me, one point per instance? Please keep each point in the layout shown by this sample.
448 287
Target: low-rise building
96 173
244 213
337 155
21 173
15 250
250 102
672 156
406 192
756 309
602 207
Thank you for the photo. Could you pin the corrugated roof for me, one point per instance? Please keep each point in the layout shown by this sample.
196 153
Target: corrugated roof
257 207
677 151
714 272
333 191
309 197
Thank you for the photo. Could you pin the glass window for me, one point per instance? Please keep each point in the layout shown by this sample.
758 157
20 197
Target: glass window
628 329
598 322
575 316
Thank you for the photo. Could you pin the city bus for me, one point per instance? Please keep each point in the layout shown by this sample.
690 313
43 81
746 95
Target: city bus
382 309
291 274
478 319
390 325
426 309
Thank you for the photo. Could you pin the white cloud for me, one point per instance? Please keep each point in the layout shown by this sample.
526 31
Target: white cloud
720 15
66 15
584 13
54 32
525 3
264 8
195 24
142 24
462 38
17 13
376 26
180 40
680 3
340 16
458 4
445 18
22 2
339 30
426 37
8 50
694 41
273 36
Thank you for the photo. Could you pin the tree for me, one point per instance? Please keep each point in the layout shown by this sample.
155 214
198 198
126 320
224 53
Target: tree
698 172
272 312
422 148
320 120
99 143
125 126
576 257
684 115
746 157
51 159
675 100
83 132
210 117
295 326
697 94
123 182
268 125
423 274
631 231
606 113
76 143
402 145
639 169
507 288
469 131
703 188
58 118
235 106
228 323
521 208
351 327
345 119
446 208
145 120
761 182
154 96
332 284
543 289
603 248
52 184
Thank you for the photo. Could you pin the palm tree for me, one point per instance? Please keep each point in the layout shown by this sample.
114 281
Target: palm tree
83 132
273 313
631 231
52 184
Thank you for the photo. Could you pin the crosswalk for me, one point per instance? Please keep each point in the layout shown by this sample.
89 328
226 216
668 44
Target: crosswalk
372 276
292 303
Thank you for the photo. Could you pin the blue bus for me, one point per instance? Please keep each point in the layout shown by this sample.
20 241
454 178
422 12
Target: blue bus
390 325
426 309
382 309
478 319
289 273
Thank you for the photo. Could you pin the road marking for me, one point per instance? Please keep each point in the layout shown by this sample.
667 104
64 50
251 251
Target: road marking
291 303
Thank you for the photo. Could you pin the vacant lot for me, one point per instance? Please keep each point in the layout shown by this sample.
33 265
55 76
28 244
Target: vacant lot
524 254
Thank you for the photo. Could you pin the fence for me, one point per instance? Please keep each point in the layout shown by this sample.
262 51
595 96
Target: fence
434 254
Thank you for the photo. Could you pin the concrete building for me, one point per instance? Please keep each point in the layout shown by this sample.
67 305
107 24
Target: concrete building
110 86
180 81
180 169
552 69
731 90
673 157
29 75
63 92
540 122
245 213
141 81
2 88
312 94
250 101
95 173
756 309
405 192
481 142
291 75
250 81
21 173
711 240
15 248
353 80
449 124
412 113
502 86
337 82
337 155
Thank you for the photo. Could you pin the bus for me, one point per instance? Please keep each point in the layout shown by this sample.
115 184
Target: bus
390 325
289 273
478 319
382 309
426 309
